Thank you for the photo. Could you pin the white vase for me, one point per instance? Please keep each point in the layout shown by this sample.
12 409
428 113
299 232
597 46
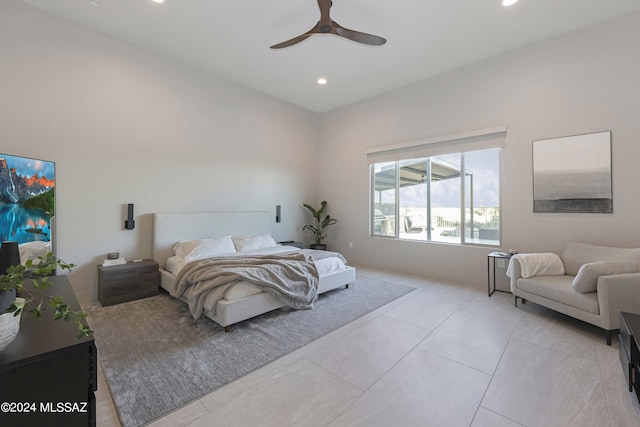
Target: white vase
9 327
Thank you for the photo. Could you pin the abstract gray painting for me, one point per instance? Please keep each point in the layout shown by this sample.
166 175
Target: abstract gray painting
572 174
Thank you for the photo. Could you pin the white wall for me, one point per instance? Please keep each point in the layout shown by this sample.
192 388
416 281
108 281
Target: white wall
582 82
126 126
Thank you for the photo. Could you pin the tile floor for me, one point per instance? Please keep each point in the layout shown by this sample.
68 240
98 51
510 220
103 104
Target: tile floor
444 355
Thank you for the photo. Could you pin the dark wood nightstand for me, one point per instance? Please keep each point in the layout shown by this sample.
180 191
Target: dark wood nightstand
128 282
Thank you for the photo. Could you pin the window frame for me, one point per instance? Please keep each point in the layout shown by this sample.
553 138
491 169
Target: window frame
463 196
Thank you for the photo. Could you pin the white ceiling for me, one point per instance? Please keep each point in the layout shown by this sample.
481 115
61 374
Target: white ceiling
231 39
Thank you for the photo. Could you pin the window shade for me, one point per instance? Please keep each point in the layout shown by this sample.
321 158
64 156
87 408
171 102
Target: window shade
470 141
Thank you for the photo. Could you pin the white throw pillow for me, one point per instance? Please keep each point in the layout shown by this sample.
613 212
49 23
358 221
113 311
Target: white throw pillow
250 243
172 261
587 278
212 247
204 248
184 247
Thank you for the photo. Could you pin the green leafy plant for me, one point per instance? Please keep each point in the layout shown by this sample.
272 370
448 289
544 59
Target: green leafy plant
38 274
321 221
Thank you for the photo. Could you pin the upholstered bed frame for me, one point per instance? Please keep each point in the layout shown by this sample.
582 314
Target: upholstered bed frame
169 228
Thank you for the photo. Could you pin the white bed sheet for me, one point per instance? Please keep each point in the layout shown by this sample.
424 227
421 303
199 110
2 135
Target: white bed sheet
244 289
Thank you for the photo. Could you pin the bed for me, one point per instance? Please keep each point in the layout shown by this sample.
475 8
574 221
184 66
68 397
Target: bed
245 300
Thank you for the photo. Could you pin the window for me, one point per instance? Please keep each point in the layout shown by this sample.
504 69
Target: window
452 197
384 206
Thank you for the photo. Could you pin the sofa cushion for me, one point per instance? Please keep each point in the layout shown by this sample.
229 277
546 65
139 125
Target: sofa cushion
587 278
558 288
577 254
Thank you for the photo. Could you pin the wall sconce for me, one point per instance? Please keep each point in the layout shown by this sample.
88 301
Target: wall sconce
129 223
278 213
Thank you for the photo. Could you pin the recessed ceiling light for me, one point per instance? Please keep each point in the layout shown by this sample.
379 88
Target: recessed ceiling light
322 81
94 3
509 2
158 1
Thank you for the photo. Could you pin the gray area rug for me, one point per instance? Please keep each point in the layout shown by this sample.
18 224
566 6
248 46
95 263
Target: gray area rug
156 358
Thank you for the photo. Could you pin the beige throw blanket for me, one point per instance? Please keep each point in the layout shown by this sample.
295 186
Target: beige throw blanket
292 278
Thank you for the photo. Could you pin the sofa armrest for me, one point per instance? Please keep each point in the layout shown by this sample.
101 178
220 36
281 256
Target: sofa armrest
515 273
616 293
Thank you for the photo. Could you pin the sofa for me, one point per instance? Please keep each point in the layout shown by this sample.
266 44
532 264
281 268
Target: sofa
588 282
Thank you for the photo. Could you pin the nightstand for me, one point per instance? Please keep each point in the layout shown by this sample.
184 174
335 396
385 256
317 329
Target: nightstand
491 262
300 245
128 282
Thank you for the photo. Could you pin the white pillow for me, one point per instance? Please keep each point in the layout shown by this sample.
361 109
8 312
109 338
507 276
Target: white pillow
183 248
204 248
172 261
587 278
250 243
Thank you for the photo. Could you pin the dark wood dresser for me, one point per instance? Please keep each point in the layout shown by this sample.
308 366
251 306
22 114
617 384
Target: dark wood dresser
47 375
630 350
128 282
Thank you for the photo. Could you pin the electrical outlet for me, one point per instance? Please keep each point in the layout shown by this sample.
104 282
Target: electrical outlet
350 244
501 263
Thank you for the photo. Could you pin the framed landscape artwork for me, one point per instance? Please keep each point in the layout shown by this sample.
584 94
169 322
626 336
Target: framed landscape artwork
27 199
572 174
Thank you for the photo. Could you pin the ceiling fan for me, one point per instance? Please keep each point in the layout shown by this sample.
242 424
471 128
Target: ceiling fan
326 25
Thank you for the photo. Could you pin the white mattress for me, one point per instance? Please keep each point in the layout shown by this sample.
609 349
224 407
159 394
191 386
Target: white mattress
244 289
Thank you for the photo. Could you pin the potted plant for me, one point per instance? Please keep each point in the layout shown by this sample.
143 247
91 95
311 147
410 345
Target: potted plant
321 221
12 283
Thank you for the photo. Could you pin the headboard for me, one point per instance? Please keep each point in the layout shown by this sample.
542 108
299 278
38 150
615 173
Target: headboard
169 228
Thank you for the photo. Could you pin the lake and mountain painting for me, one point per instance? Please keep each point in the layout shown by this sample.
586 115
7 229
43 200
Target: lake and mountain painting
573 174
27 199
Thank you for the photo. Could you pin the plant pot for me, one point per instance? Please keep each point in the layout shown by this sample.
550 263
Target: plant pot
9 327
318 246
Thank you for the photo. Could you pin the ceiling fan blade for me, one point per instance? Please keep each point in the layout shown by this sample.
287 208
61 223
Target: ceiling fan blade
291 42
357 36
295 40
